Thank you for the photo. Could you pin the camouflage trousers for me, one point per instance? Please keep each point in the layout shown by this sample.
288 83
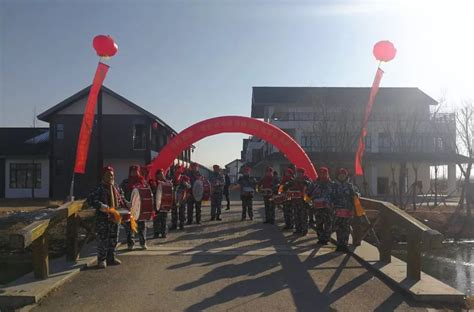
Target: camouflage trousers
216 205
324 218
269 209
141 232
301 216
342 226
107 234
159 224
191 204
247 207
178 213
288 215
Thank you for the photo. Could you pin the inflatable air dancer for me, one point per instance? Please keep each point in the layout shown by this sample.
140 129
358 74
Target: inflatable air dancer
297 189
267 187
106 198
163 195
194 175
217 181
247 189
321 198
343 198
134 180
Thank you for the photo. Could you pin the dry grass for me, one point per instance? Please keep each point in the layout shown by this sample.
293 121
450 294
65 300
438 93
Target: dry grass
8 206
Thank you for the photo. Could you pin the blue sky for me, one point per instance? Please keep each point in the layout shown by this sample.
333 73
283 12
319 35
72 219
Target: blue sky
190 60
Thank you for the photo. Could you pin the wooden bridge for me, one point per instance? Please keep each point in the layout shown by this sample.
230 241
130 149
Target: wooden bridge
235 265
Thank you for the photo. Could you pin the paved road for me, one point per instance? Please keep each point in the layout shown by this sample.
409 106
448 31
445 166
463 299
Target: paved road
229 266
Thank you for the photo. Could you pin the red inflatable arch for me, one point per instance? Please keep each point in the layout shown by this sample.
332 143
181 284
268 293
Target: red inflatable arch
229 124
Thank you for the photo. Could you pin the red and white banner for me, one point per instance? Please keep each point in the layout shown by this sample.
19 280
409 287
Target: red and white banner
88 119
368 109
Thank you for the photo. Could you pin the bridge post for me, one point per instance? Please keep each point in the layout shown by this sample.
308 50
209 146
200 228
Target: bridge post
386 239
40 257
72 237
414 256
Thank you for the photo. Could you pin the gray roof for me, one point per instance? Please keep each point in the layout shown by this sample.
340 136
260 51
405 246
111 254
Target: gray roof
306 96
46 115
17 142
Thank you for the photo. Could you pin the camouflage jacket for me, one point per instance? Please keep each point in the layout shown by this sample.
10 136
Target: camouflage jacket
343 195
100 198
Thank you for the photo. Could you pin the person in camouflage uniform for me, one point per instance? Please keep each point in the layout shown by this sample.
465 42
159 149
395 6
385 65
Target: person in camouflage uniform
159 223
321 197
266 185
247 188
107 195
298 188
217 182
343 199
287 208
182 188
134 180
193 175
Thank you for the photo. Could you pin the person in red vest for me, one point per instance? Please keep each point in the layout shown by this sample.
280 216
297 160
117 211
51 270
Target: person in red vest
134 180
182 188
343 199
159 223
266 186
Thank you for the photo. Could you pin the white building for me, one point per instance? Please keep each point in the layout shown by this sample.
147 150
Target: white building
233 169
24 163
403 135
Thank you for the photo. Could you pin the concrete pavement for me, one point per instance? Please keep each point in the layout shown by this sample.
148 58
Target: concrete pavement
230 266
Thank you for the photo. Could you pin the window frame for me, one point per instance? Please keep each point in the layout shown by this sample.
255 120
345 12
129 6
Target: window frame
59 133
143 137
23 175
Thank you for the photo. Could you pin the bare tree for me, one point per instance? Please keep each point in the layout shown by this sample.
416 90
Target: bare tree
465 131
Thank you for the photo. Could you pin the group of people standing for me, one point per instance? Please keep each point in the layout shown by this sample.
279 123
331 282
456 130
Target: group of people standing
185 208
329 204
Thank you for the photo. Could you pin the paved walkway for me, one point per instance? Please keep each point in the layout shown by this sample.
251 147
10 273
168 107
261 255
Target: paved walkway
230 266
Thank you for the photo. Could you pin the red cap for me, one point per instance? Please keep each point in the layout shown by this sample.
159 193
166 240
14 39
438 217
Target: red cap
343 171
106 169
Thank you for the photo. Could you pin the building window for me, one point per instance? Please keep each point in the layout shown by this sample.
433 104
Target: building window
305 141
368 142
139 137
382 186
59 168
385 144
59 131
24 175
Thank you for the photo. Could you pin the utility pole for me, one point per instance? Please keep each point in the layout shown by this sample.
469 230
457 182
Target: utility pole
33 168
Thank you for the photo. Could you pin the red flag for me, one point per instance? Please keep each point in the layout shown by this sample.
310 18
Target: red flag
88 119
368 109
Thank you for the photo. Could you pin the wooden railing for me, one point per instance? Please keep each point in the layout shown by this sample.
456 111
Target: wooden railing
419 236
35 235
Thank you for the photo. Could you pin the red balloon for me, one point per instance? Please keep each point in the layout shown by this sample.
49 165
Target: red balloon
228 124
384 51
105 46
